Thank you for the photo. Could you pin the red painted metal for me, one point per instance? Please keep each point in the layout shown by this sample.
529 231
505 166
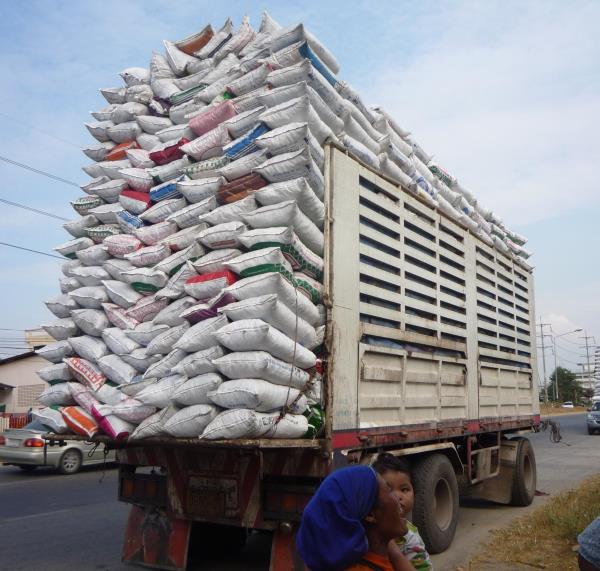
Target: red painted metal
428 432
284 556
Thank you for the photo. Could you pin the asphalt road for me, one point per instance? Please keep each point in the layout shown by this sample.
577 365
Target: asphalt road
52 523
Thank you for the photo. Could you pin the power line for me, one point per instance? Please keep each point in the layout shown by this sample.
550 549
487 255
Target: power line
40 131
30 250
31 209
38 171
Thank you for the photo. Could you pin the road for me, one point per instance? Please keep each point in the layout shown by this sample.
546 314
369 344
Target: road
50 522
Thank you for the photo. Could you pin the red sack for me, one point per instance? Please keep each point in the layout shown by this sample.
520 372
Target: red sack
168 154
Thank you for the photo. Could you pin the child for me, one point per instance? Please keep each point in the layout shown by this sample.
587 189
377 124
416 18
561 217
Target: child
396 472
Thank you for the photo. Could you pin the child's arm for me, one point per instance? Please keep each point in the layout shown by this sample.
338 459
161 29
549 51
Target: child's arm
398 560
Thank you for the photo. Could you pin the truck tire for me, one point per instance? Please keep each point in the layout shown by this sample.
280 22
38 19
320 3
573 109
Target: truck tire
435 512
524 475
70 462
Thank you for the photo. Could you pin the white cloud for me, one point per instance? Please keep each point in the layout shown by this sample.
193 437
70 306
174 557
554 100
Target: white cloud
508 100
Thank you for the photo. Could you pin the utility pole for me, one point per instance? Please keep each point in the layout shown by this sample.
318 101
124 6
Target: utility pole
587 352
542 325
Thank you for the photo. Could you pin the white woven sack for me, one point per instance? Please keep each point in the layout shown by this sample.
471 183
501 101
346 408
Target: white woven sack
259 395
126 113
191 421
99 130
289 138
260 261
51 418
56 395
121 293
153 425
229 212
77 227
159 393
149 256
90 275
198 190
174 133
393 171
297 164
163 343
147 276
137 179
123 132
270 425
53 373
232 424
153 125
207 289
243 121
88 347
202 335
68 249
61 306
244 165
155 233
271 310
178 259
116 370
133 388
162 210
298 110
195 390
225 235
165 366
360 151
208 145
95 255
130 410
288 214
261 365
170 315
118 246
215 261
61 329
108 394
116 268
68 284
90 321
118 342
257 335
296 253
184 238
297 33
145 332
109 192
147 142
140 360
139 158
56 352
189 216
199 363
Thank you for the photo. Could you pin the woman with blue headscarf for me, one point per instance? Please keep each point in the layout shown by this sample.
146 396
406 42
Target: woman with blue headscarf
350 524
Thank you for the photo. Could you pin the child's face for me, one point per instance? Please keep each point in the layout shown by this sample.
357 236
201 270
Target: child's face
402 488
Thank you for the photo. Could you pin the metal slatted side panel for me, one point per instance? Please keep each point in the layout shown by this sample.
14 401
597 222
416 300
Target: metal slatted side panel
416 301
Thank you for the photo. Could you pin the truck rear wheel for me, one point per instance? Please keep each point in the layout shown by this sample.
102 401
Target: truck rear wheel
524 475
435 512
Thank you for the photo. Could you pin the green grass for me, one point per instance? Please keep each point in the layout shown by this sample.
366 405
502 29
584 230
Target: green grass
546 538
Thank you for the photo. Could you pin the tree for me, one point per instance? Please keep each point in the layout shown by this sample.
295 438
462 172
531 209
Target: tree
568 387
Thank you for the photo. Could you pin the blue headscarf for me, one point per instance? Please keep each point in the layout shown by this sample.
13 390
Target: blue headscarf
331 535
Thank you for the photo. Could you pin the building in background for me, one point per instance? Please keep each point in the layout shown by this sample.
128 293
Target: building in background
586 376
20 386
36 338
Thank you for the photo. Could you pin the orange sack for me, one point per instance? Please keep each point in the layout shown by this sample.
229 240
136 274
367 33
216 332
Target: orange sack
79 421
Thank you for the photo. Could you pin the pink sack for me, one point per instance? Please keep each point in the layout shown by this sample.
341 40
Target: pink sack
212 117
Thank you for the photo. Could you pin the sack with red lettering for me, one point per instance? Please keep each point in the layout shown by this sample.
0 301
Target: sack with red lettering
86 372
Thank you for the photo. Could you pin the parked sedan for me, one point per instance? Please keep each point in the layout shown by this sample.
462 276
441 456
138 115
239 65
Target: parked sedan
26 448
593 418
567 404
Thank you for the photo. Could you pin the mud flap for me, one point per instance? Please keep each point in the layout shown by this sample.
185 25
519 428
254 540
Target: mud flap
152 539
284 556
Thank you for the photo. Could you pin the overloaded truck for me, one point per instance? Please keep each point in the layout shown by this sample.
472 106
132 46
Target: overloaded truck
429 355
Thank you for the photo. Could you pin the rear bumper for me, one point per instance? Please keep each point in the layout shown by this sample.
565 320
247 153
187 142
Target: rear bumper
32 457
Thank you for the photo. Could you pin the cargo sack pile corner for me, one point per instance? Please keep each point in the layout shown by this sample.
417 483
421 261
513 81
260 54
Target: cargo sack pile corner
191 300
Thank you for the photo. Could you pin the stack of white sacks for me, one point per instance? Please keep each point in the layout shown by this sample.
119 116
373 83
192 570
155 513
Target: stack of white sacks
192 299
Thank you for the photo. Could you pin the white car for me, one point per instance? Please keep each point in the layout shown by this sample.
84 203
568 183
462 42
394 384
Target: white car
567 404
26 448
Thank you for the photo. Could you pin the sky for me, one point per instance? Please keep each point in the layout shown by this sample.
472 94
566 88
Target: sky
504 94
